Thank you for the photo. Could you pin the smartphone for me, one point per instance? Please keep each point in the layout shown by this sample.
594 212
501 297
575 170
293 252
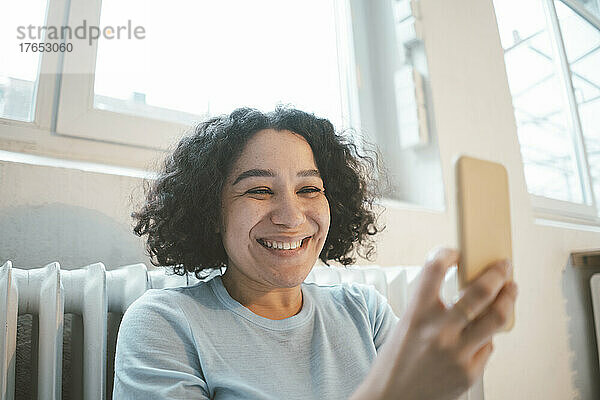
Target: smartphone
484 227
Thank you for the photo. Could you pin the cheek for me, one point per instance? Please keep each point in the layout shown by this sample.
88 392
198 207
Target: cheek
322 216
238 221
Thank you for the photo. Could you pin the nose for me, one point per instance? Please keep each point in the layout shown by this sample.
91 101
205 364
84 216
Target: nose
288 212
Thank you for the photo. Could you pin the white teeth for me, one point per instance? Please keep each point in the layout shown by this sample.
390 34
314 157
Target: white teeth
282 245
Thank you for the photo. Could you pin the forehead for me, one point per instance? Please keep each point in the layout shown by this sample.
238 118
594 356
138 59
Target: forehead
277 150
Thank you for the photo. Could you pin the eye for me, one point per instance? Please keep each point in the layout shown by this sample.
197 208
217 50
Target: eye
263 191
310 191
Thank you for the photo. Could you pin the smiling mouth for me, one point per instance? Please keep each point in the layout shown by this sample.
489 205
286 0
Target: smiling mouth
283 246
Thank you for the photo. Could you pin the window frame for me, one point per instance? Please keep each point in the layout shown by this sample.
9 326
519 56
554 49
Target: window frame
543 207
60 127
580 152
39 136
77 116
589 210
46 88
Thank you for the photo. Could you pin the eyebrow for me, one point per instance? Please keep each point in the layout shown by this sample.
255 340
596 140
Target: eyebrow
270 173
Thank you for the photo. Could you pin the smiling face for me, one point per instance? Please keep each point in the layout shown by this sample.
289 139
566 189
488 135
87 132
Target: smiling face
275 216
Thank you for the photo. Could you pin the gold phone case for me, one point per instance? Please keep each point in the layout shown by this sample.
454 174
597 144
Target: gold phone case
484 227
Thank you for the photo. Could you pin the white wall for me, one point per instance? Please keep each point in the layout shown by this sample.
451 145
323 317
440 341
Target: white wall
473 114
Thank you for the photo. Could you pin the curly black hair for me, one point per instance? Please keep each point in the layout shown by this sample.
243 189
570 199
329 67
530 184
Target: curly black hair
181 214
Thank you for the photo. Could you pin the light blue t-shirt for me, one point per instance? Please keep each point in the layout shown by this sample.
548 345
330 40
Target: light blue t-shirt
197 342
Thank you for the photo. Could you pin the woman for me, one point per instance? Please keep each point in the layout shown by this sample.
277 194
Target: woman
265 196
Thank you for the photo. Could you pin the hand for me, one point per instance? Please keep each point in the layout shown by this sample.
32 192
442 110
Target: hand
438 352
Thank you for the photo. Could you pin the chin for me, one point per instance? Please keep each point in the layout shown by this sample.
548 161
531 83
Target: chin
290 280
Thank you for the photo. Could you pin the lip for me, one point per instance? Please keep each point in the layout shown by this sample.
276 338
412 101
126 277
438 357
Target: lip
284 238
287 252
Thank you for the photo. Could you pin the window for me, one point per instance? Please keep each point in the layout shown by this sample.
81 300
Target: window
395 99
582 47
136 74
231 59
19 70
204 59
552 56
593 6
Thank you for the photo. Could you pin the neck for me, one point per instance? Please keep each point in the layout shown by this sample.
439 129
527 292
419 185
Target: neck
268 302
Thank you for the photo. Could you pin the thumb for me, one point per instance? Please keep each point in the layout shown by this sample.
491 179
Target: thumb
437 263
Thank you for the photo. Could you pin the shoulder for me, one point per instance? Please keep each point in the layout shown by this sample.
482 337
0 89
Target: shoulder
164 305
156 353
155 309
156 315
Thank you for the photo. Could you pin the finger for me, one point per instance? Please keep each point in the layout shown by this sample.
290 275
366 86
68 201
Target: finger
480 358
432 276
492 320
480 293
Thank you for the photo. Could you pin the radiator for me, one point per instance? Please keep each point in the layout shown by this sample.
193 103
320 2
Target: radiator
92 292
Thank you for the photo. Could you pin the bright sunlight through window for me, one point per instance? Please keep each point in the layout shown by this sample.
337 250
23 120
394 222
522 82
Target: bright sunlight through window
258 54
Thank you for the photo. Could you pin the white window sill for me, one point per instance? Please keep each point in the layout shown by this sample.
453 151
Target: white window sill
557 221
79 165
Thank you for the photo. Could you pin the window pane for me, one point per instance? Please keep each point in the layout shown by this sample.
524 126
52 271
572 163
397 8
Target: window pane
593 6
19 69
540 105
582 45
206 58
